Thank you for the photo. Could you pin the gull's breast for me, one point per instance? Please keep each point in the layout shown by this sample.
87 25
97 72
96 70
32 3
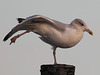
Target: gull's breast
70 38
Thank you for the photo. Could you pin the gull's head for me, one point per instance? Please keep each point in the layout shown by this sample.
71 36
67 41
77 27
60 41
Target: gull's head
78 23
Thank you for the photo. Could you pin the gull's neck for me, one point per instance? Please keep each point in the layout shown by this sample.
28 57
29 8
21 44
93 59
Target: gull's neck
76 26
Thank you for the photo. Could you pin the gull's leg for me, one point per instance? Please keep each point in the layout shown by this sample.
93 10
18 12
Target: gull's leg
15 37
54 54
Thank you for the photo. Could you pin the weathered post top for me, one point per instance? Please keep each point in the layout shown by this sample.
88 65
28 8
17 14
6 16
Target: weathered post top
57 69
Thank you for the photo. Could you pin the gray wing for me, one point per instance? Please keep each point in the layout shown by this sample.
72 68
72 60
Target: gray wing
30 22
41 19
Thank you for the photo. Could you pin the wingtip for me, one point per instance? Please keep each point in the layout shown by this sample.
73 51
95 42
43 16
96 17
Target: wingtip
4 39
7 36
20 20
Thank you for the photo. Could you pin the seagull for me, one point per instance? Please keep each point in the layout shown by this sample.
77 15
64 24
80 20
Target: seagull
53 32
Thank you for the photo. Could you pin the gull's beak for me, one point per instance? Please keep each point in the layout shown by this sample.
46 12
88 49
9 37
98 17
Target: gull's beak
89 31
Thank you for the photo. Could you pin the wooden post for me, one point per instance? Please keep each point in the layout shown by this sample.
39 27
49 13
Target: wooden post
57 69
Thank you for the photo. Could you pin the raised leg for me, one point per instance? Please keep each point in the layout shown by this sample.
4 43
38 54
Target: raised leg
54 54
15 37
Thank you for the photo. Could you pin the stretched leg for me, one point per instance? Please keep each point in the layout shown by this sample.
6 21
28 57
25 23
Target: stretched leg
54 54
15 37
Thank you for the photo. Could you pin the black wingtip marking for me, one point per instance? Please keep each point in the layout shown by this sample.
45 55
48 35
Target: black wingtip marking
7 36
20 20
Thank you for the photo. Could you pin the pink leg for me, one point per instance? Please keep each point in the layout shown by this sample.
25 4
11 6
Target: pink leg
54 54
15 37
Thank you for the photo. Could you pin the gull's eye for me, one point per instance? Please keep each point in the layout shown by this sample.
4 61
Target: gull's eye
81 24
